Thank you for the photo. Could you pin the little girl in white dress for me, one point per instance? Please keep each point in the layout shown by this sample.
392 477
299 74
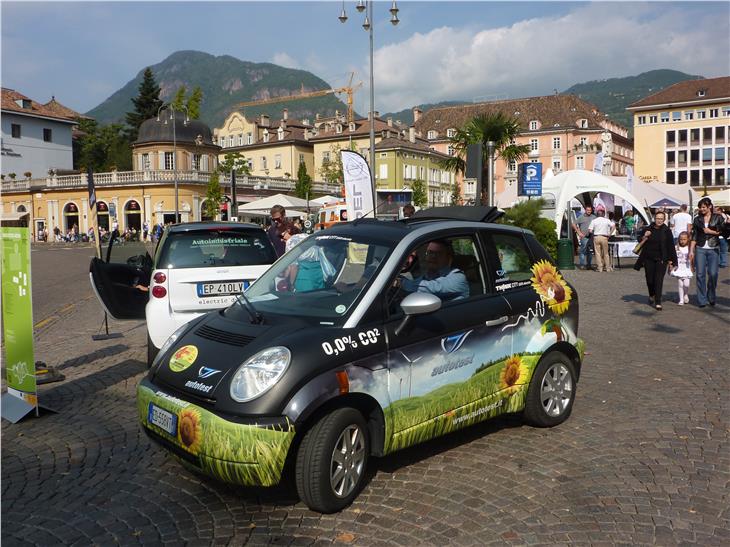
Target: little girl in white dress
683 270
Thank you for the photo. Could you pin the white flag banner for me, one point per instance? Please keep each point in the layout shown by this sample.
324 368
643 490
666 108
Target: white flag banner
598 163
629 186
358 185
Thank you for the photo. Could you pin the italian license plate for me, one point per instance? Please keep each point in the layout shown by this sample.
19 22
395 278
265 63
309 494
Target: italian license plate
222 288
162 418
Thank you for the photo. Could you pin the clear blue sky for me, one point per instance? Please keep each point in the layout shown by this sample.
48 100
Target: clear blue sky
82 52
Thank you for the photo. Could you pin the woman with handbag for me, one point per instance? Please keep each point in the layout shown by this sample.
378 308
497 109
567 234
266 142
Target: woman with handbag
657 255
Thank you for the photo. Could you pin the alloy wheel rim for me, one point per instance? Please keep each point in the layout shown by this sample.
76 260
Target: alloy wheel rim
348 461
556 390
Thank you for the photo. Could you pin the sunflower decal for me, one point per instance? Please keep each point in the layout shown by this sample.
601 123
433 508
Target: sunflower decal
513 374
190 431
551 287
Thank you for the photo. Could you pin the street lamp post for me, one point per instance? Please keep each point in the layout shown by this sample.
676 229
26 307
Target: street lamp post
368 24
171 108
490 175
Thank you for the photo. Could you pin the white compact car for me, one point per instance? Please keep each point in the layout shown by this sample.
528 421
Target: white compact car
198 267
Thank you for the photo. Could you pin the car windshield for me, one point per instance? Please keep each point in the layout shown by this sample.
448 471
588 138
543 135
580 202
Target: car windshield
321 278
221 247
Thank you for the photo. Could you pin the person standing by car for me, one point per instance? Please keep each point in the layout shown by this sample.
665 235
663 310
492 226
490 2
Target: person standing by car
657 256
704 251
580 227
280 226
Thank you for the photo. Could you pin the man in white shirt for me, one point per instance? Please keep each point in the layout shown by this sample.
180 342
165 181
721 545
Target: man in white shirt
681 222
602 228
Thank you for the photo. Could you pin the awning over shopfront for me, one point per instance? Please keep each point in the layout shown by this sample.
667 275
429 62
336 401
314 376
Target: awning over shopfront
265 204
15 219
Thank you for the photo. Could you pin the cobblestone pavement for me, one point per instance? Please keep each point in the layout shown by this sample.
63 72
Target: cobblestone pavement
644 459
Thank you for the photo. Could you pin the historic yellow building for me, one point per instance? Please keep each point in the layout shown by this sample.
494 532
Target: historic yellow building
681 134
271 149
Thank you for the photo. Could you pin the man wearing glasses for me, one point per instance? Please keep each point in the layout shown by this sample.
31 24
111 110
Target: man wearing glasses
281 229
441 278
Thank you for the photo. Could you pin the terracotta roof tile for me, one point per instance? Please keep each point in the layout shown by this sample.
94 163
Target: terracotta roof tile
688 91
362 128
63 111
552 111
9 103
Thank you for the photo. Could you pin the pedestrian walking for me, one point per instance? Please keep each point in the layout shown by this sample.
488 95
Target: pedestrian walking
580 227
683 270
704 251
145 230
724 235
681 222
657 256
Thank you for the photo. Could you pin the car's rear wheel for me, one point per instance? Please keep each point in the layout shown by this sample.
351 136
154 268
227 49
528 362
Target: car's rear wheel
331 461
552 391
151 351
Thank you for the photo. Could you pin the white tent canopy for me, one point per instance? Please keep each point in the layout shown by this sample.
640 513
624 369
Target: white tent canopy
569 184
265 204
326 199
721 198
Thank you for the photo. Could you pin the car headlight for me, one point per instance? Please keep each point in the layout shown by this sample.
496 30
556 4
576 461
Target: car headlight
259 373
168 344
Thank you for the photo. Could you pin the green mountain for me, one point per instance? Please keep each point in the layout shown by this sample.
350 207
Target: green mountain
225 81
612 96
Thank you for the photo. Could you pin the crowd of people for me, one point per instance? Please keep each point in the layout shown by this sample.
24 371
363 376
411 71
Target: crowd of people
677 243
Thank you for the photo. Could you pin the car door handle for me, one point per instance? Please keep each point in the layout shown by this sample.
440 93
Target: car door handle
498 321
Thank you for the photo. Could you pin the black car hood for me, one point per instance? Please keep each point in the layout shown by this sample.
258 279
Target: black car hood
212 350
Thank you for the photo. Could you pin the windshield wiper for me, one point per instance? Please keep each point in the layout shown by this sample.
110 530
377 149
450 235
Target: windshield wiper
256 317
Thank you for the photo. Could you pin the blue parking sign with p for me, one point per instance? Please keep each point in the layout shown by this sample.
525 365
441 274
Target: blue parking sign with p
529 179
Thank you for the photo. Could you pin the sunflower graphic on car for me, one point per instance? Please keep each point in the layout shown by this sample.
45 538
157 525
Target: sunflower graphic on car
554 292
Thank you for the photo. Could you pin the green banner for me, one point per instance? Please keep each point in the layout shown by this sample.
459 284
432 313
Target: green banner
18 314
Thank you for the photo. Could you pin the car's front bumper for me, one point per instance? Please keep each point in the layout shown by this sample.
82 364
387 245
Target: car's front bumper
248 452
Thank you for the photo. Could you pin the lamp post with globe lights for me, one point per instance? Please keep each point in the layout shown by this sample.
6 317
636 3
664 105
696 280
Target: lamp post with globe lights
165 110
367 7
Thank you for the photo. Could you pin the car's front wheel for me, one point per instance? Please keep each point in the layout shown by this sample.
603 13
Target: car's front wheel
331 461
552 391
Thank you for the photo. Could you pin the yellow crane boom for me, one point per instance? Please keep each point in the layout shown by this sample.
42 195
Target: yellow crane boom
348 89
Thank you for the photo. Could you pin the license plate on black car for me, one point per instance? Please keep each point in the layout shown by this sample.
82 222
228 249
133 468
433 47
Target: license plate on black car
162 419
222 288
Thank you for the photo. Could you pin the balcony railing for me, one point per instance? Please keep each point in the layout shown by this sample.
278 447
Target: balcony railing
136 178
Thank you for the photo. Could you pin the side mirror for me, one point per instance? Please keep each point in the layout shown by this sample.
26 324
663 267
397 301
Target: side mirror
417 303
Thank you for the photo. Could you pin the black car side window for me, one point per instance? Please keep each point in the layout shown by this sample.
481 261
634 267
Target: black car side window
513 261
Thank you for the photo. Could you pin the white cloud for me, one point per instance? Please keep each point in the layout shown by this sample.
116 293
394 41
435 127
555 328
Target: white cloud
535 56
284 59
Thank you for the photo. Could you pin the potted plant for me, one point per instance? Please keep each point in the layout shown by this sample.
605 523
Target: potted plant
12 176
27 174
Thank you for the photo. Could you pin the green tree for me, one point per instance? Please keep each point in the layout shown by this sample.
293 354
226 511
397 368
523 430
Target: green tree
234 160
420 193
146 104
331 170
526 214
496 127
194 101
456 194
178 101
213 196
303 187
102 147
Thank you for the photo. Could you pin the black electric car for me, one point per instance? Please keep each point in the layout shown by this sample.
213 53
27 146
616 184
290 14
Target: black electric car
364 339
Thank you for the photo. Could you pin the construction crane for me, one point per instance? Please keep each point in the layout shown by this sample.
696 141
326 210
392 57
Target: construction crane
349 89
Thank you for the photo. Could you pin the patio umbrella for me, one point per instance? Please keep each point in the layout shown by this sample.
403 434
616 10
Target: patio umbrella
666 203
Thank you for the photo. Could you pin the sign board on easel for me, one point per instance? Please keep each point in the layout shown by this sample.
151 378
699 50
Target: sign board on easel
17 313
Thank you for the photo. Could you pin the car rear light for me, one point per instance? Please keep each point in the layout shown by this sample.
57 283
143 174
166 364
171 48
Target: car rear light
160 277
158 291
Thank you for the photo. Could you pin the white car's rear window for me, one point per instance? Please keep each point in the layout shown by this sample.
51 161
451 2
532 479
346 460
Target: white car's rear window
216 248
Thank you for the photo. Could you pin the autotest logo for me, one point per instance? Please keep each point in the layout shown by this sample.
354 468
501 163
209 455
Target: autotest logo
207 372
452 343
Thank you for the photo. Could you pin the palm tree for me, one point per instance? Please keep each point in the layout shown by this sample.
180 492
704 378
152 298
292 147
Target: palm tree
496 127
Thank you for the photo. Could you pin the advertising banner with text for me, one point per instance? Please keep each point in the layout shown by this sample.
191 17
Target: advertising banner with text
17 310
358 185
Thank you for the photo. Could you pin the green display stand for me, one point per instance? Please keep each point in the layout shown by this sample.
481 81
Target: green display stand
565 254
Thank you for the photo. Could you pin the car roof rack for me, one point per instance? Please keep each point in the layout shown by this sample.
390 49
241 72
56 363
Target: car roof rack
458 212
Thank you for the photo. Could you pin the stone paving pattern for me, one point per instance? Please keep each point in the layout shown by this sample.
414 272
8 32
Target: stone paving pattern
644 459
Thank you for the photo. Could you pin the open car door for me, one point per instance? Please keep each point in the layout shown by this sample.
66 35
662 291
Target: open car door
116 279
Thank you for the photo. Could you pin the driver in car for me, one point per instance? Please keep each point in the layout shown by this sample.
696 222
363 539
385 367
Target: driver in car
441 278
